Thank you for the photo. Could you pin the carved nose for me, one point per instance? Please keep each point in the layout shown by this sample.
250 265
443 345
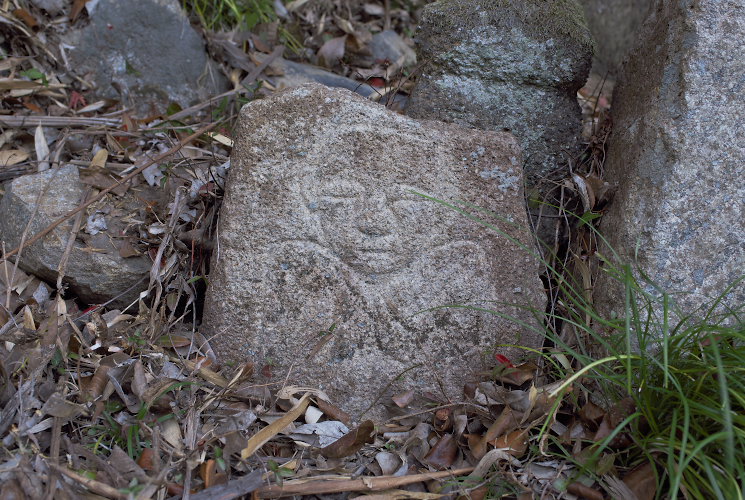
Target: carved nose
375 218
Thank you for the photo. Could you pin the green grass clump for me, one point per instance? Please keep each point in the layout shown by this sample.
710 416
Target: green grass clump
241 15
229 14
687 389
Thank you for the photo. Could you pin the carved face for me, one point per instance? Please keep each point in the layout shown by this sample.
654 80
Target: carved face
374 230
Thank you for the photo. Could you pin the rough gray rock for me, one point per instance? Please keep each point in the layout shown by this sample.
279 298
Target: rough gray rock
94 273
327 262
506 65
615 26
677 153
148 49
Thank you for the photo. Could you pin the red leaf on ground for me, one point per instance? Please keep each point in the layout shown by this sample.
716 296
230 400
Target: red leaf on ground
504 360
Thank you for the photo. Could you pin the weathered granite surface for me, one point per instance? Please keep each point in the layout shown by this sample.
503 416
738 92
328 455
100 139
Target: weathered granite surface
95 273
677 153
615 25
506 65
147 48
326 260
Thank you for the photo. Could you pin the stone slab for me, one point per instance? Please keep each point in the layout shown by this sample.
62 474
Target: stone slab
327 261
507 65
677 154
147 49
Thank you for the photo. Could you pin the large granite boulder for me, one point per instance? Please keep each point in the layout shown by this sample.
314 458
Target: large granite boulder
677 153
146 52
328 262
95 272
615 26
507 65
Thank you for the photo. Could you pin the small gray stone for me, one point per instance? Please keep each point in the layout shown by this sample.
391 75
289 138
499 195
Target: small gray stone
677 153
327 261
507 65
389 46
53 7
94 275
147 48
294 74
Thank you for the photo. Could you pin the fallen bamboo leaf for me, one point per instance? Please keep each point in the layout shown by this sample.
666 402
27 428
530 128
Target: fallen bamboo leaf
99 159
222 139
90 484
325 486
210 376
400 494
42 149
264 435
479 472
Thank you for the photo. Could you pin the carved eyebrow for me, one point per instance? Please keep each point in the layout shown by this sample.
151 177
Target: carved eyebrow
341 189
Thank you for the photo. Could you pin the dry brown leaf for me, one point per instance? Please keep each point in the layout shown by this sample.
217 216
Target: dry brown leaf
351 442
506 421
642 482
332 51
333 412
583 491
403 399
591 413
139 380
443 453
9 157
264 435
171 432
77 8
517 375
28 319
102 180
58 406
147 459
210 476
99 159
171 341
126 250
516 442
25 16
